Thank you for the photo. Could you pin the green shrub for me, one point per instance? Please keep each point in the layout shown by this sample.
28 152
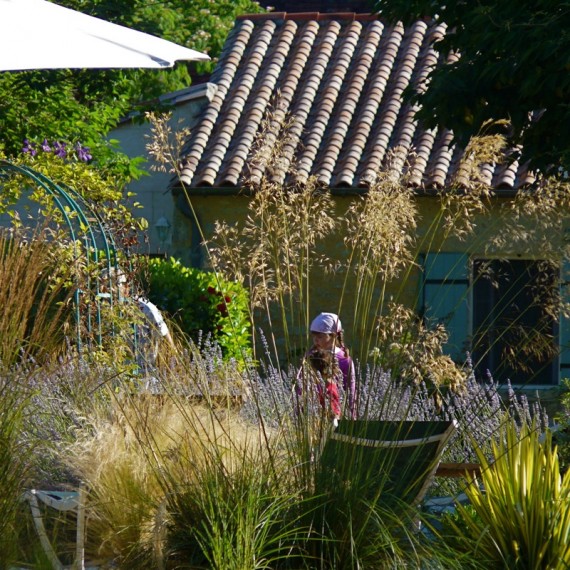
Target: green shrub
201 302
561 437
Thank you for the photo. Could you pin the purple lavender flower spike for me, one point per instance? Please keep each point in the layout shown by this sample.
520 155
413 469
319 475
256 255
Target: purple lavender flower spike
59 149
45 146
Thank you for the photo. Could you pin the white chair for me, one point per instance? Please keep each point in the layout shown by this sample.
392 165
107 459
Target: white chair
60 501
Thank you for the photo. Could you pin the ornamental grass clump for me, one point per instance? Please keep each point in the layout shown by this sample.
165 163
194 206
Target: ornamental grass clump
246 517
414 352
139 457
519 515
32 295
16 463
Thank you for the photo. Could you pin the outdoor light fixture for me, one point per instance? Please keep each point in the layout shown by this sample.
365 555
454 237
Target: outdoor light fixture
162 227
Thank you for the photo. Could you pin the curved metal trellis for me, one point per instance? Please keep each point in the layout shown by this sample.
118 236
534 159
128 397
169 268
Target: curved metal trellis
84 226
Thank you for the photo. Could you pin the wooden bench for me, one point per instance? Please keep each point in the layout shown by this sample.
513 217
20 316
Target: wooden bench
456 470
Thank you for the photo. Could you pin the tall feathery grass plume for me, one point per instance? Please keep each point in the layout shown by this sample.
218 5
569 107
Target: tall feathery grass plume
469 193
380 237
277 248
165 144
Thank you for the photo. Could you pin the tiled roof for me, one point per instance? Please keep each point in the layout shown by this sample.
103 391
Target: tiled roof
341 77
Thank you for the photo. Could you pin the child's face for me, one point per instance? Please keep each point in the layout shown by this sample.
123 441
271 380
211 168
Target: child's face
324 341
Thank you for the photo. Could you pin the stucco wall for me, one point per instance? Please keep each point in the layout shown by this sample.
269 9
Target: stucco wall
151 191
334 292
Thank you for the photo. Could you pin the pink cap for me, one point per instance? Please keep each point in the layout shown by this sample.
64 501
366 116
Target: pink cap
326 323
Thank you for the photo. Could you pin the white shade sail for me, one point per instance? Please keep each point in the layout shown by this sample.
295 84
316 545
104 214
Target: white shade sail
36 34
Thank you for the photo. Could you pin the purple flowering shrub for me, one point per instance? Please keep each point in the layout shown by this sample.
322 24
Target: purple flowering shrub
203 373
69 165
61 149
62 395
479 408
272 395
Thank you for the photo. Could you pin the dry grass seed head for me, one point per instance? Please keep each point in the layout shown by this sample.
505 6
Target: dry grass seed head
469 193
277 245
165 146
415 352
381 228
536 216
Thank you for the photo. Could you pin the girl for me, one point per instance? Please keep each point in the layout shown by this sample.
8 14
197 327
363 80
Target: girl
328 375
327 334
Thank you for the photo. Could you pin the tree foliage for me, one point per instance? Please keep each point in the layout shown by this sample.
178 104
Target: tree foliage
85 105
513 65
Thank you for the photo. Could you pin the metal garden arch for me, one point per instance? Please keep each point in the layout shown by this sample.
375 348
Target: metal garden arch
84 226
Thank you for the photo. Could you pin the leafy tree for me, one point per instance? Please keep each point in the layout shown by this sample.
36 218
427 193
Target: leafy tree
85 105
514 65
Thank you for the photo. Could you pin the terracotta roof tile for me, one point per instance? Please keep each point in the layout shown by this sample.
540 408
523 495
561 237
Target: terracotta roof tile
341 78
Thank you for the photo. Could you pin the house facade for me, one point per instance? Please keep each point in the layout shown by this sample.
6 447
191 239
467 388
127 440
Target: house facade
151 190
342 79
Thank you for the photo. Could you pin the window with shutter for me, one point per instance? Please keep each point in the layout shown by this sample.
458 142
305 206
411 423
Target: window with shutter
502 311
445 298
515 332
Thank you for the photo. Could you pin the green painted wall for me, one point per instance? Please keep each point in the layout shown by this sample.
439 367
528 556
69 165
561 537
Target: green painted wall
325 293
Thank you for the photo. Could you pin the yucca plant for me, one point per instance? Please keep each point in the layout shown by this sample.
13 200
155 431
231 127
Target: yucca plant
519 516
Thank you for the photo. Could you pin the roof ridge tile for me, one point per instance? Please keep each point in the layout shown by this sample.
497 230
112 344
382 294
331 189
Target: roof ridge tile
318 16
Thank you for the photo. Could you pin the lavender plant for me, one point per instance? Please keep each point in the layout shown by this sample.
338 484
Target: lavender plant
479 408
64 395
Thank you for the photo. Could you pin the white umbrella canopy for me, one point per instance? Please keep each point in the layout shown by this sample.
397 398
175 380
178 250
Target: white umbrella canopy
36 34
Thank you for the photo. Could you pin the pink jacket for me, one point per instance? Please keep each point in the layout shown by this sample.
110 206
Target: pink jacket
346 365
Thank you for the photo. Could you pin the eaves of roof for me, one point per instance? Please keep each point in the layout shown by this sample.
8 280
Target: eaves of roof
174 98
341 78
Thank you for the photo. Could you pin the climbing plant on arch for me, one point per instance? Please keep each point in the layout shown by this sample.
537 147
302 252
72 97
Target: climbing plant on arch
82 215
